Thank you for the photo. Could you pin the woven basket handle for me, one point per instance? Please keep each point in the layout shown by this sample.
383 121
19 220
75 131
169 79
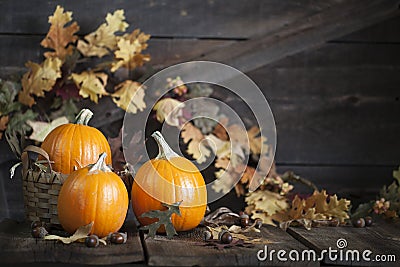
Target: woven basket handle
30 154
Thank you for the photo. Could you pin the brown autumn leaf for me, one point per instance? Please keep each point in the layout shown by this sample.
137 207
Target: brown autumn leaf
3 124
60 36
257 142
319 206
196 147
39 79
129 54
100 42
129 96
220 131
169 110
91 84
264 204
224 181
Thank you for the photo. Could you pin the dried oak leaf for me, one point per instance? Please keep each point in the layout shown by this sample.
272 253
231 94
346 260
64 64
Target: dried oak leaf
39 79
60 36
79 236
164 218
91 84
220 131
196 147
129 96
141 37
169 110
263 204
318 206
41 129
257 141
329 206
129 54
100 42
224 182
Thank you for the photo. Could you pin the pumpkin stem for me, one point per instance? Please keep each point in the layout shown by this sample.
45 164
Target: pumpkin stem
100 165
165 151
83 116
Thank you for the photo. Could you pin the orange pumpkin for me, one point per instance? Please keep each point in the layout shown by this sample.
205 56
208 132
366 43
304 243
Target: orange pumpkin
169 178
75 145
93 194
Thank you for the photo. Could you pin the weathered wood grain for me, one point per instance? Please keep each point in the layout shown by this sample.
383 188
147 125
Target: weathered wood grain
380 239
15 241
183 251
386 32
335 105
310 32
16 50
206 19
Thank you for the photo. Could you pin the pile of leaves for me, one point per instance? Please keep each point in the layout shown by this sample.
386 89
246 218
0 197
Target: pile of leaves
205 138
387 203
73 68
314 209
231 145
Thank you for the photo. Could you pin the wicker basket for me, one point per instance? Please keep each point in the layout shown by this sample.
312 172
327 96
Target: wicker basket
41 186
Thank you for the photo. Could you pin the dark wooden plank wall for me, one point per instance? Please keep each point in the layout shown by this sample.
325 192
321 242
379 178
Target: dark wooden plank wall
336 107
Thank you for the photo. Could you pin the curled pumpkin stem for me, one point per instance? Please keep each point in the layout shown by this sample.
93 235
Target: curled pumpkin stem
83 116
100 165
165 151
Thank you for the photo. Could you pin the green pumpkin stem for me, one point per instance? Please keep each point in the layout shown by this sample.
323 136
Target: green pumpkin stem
100 165
164 150
83 116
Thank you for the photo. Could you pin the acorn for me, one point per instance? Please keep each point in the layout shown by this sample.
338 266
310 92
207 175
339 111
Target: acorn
244 220
118 238
258 223
35 224
359 223
368 221
39 232
207 235
225 237
92 241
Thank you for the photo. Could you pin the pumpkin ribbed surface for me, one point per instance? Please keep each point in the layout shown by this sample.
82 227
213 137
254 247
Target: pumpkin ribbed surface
75 145
170 181
93 195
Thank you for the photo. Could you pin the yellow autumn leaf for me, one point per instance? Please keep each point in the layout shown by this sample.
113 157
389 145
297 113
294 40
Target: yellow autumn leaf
319 206
60 36
192 136
129 96
39 79
91 84
257 141
79 236
128 54
329 206
141 37
169 110
267 201
100 42
223 183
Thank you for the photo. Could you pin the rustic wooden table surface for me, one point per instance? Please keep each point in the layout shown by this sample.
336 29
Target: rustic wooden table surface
382 239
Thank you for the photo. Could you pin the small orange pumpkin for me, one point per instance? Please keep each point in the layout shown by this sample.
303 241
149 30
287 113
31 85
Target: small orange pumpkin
75 145
93 194
169 178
